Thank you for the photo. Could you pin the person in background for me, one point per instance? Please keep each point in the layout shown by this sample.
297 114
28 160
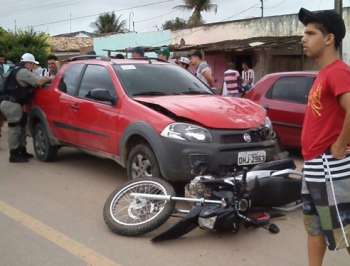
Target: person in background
231 86
248 77
53 66
184 62
119 56
138 52
38 70
2 63
203 71
2 80
164 53
92 52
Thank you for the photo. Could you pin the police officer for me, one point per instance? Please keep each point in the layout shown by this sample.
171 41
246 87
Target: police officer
18 89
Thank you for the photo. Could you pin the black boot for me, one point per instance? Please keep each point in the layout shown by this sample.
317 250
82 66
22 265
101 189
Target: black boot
17 157
24 153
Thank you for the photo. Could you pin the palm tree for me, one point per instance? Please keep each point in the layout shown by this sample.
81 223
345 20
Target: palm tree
175 24
109 23
197 6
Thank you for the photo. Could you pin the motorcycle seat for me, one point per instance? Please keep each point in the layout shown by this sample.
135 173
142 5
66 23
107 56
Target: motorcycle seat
275 165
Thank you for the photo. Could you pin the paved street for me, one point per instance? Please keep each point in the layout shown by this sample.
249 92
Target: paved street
51 214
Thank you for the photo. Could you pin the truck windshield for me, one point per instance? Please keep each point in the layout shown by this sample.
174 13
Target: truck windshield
158 80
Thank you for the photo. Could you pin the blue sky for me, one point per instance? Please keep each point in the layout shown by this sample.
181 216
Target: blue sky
44 14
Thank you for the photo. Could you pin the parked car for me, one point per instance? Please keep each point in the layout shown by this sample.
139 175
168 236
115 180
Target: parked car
153 118
284 96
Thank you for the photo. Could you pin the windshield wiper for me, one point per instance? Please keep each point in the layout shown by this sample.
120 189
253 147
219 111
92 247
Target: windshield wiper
150 93
192 92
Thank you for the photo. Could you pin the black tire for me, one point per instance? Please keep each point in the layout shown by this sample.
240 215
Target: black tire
136 229
142 157
274 229
43 149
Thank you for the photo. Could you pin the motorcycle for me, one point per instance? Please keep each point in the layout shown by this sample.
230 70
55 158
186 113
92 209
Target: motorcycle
224 203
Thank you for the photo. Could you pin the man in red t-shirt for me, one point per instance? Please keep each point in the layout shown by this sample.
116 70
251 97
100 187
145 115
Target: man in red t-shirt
325 138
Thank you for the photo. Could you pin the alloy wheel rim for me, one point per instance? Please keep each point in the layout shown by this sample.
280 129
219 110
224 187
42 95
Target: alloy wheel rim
141 166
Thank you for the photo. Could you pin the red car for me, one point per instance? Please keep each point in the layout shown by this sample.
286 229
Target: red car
284 96
153 118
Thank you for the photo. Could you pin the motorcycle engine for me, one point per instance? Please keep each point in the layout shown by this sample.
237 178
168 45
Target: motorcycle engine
196 189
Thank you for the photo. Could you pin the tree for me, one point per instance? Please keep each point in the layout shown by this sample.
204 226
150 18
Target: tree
14 45
175 24
109 23
197 7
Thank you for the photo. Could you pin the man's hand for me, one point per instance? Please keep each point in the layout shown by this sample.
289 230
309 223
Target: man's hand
338 151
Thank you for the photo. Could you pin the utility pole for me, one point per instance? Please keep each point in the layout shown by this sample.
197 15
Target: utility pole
70 22
15 27
338 6
262 8
132 14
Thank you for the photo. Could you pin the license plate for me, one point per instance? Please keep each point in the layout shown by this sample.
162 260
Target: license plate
251 157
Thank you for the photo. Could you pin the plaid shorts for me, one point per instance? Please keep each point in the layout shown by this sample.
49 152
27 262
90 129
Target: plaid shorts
326 199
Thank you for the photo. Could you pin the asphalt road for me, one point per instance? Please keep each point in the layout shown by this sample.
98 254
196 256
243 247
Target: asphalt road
51 214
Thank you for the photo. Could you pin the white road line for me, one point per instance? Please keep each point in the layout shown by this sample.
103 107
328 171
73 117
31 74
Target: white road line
79 250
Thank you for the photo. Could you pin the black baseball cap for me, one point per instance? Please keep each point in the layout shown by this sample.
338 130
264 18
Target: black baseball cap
198 54
140 50
329 19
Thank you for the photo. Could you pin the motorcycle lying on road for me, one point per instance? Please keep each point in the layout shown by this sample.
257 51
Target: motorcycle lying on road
245 197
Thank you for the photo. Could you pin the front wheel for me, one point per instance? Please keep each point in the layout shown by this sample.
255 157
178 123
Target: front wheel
131 216
142 162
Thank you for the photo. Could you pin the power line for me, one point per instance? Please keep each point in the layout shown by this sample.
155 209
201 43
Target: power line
228 18
159 16
276 5
49 5
101 13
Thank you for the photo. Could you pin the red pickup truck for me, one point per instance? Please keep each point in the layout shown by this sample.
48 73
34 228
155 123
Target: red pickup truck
152 117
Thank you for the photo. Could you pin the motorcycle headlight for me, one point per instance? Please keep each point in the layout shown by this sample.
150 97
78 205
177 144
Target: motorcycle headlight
207 223
186 132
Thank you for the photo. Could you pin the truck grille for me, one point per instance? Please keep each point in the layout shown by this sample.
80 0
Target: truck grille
257 135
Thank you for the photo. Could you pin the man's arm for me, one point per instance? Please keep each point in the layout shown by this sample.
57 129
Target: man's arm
41 82
27 77
209 77
338 149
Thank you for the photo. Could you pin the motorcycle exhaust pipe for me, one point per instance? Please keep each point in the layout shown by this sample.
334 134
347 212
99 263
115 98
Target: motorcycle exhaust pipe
172 198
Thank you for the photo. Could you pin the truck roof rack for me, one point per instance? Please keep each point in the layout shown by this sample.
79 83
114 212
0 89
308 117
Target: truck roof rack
87 57
149 59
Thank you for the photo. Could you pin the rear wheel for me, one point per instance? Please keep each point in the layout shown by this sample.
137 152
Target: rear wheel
43 149
131 216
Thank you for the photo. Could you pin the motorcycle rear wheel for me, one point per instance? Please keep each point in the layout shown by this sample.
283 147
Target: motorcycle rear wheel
129 216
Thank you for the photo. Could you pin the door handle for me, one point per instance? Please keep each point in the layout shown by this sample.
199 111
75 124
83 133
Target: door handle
74 106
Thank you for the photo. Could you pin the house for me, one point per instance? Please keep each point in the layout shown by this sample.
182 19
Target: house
78 34
65 47
269 44
117 43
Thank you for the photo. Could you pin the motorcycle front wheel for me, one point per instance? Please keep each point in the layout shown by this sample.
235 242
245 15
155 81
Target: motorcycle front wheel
131 216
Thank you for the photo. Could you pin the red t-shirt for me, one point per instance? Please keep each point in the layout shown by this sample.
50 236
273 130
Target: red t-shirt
324 116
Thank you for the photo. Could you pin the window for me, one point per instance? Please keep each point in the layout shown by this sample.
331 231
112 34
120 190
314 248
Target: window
291 89
95 77
158 79
70 79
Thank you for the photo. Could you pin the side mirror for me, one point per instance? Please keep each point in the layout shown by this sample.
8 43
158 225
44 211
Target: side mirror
101 95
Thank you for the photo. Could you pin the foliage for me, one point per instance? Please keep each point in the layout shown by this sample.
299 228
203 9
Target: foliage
175 24
109 23
197 7
14 45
